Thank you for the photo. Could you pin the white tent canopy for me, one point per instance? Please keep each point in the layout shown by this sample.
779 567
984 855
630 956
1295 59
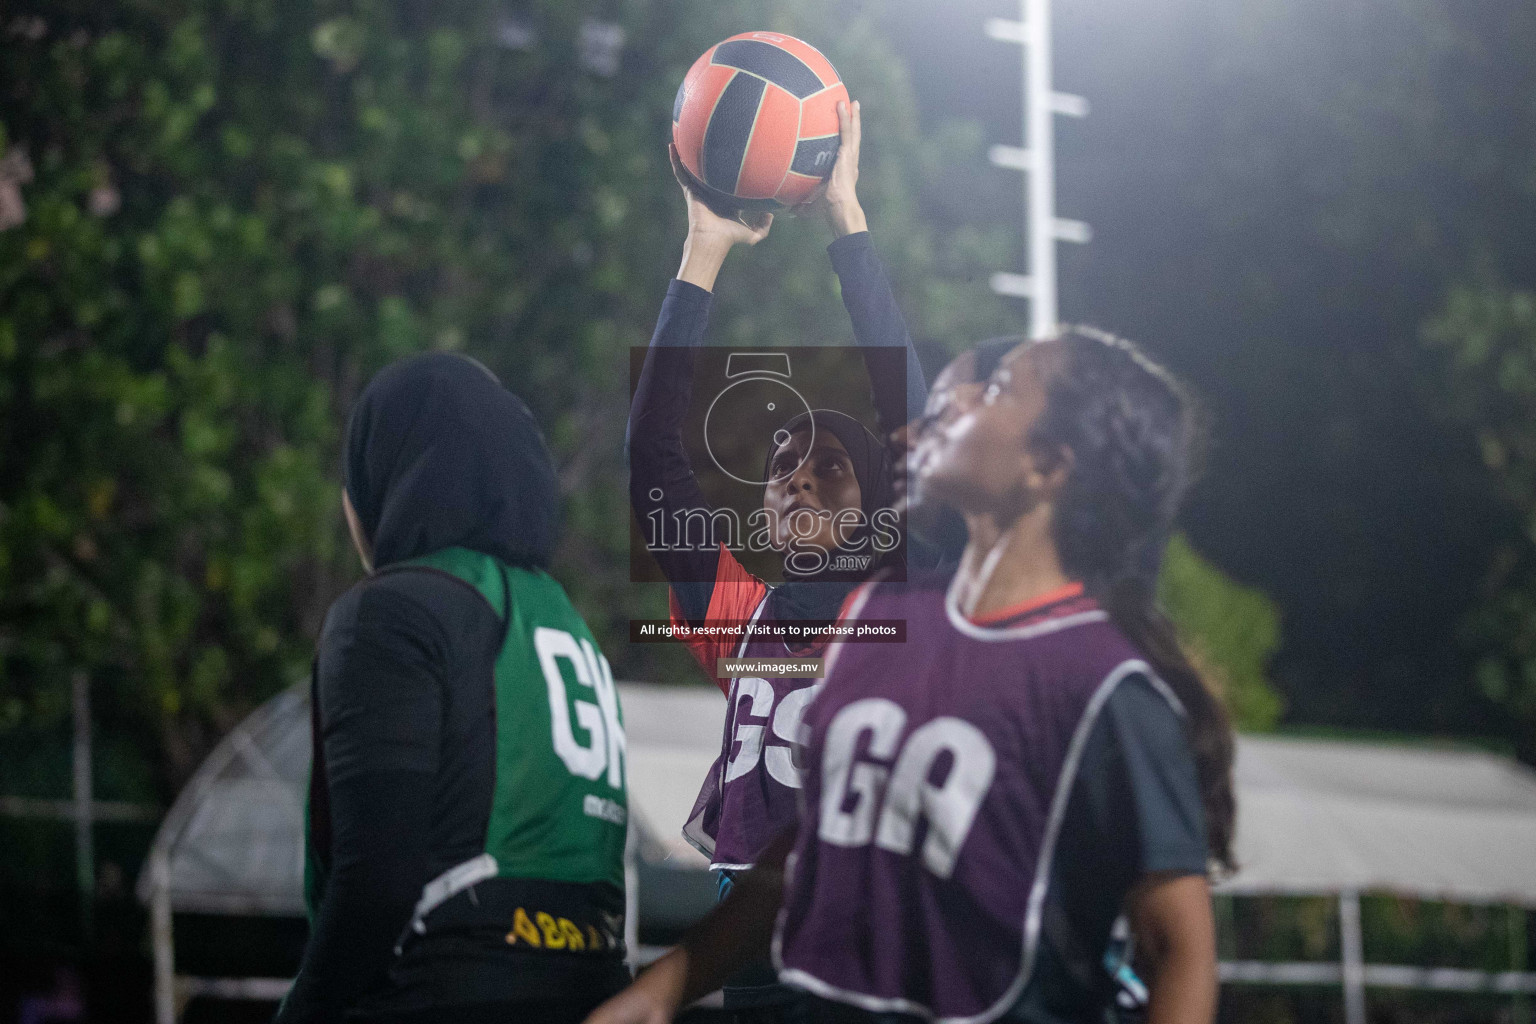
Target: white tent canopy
673 734
233 841
1324 816
1314 816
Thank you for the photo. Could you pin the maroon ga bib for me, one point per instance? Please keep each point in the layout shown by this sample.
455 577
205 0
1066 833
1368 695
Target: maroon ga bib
937 776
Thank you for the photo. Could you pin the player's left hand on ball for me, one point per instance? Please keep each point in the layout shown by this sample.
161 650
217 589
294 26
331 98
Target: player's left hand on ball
839 200
705 221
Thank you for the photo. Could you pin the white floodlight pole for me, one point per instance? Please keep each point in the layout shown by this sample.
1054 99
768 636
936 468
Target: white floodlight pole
1037 160
1040 179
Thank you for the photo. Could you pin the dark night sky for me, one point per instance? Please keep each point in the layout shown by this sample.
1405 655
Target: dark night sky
1280 193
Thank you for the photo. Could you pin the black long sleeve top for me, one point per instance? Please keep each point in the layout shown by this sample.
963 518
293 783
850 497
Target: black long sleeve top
404 768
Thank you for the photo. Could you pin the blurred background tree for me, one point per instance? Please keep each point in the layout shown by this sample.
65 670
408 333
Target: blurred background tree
222 216
1487 335
1282 195
1231 632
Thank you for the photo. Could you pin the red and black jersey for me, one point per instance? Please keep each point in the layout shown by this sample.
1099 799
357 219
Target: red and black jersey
735 596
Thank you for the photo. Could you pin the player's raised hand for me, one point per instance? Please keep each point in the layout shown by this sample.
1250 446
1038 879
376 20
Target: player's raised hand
711 234
839 200
703 220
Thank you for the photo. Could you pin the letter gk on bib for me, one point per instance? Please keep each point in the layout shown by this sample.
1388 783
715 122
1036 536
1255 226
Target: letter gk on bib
559 809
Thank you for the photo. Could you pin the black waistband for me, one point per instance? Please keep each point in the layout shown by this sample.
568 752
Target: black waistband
533 914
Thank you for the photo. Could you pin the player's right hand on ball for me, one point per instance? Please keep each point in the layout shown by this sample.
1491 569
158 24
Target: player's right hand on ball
705 223
838 200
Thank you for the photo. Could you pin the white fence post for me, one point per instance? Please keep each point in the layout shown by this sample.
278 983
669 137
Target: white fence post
161 938
1352 948
632 894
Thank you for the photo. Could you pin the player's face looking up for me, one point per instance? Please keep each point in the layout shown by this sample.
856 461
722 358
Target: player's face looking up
978 456
959 375
809 486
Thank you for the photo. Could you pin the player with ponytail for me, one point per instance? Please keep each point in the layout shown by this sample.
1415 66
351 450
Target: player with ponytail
983 802
1131 428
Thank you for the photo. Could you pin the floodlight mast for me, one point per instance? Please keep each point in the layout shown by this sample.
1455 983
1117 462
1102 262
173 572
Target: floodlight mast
1037 161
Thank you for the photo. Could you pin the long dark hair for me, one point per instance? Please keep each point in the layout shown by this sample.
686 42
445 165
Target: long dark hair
1131 428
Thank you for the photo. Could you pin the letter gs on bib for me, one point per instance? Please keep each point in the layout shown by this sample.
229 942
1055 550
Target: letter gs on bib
764 733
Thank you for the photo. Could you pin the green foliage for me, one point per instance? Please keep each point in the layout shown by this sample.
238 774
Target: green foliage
1488 336
164 507
1230 630
1281 193
221 216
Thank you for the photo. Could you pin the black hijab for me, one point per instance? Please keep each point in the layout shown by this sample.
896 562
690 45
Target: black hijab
440 455
820 595
871 460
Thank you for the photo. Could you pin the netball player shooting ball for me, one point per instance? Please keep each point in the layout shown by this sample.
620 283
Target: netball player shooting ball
815 478
982 802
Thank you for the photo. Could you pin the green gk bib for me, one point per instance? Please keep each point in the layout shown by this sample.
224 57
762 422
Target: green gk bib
558 811
559 808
